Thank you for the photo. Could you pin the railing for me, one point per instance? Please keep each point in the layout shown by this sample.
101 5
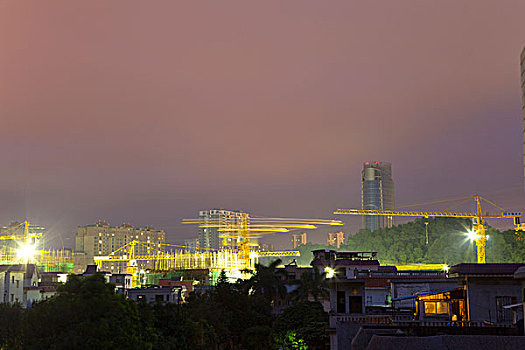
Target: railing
366 319
388 319
459 324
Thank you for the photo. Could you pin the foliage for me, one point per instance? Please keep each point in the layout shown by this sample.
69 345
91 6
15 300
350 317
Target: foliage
289 341
307 320
232 315
313 283
87 314
448 244
11 326
266 281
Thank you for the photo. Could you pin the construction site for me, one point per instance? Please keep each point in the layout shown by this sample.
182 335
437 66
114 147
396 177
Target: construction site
22 243
144 255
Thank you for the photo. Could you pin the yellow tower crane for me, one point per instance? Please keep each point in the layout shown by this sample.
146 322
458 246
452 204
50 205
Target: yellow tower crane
26 249
479 234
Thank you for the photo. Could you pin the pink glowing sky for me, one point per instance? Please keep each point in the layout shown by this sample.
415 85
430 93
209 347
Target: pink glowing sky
147 111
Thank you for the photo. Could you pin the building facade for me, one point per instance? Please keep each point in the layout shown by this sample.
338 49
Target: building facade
298 239
101 239
335 239
229 220
377 193
522 68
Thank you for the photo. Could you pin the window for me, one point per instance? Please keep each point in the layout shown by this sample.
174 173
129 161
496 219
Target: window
17 284
159 297
436 307
368 300
504 315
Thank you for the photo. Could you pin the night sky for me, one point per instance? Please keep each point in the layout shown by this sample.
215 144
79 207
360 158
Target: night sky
146 111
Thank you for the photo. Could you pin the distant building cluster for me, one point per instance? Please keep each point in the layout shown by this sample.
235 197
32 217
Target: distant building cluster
101 239
335 239
377 193
298 239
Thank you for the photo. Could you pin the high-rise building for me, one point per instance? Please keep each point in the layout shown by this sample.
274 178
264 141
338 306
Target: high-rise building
210 237
377 193
335 239
192 245
298 239
522 65
103 239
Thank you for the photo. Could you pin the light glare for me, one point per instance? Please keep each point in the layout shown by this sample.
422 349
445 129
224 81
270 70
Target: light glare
330 273
472 235
26 252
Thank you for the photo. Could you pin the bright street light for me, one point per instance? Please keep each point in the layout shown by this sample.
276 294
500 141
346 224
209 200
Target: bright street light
330 273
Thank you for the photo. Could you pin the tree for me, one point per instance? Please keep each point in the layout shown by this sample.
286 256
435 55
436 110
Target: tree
307 321
11 326
266 281
312 283
86 314
235 317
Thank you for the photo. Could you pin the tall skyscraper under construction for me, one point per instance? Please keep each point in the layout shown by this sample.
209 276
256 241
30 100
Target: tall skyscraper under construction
377 193
209 237
522 65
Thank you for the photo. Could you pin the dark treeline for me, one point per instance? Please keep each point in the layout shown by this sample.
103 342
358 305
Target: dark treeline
87 314
447 244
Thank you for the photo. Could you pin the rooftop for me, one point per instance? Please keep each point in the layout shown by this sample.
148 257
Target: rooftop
484 269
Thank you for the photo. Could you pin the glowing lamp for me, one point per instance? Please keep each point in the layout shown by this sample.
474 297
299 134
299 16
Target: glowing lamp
472 235
330 273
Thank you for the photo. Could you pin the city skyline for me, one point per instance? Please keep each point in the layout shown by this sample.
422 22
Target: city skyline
147 125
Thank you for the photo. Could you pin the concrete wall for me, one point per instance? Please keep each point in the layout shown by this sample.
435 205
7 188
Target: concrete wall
482 293
377 294
350 289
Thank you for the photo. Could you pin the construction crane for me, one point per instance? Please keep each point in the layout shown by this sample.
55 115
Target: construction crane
179 257
26 249
25 237
248 229
278 253
478 233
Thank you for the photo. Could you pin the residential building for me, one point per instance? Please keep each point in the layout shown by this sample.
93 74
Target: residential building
489 288
156 294
101 239
228 221
522 66
12 283
192 245
298 239
377 193
19 284
335 239
469 299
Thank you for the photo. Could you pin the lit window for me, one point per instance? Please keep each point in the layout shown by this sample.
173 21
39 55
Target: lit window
436 307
